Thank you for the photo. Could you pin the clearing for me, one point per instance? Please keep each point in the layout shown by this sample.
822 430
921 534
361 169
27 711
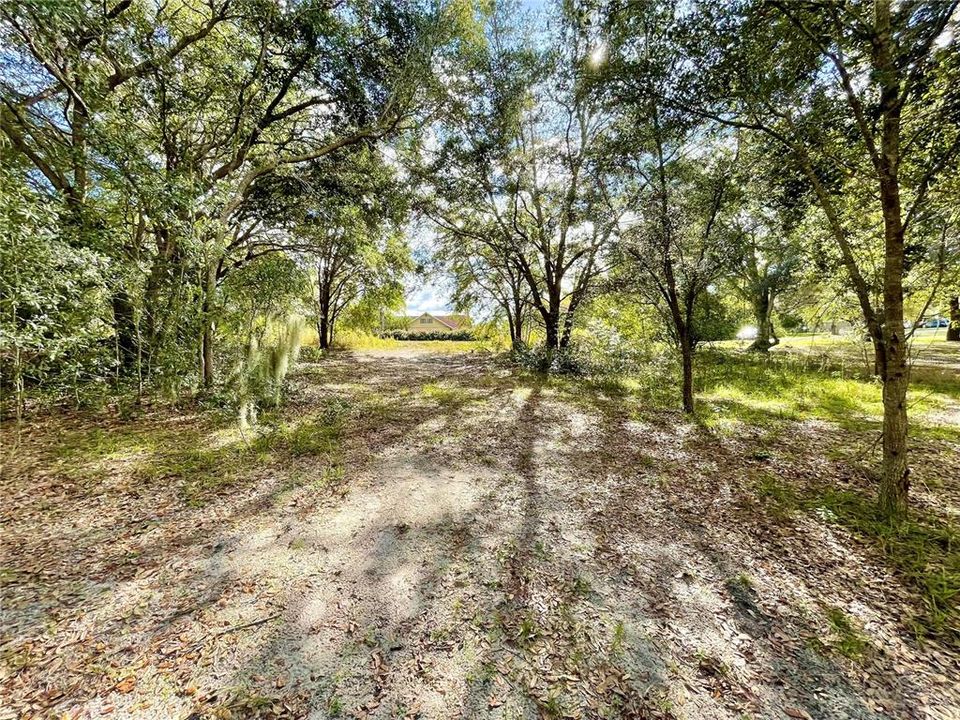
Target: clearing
443 536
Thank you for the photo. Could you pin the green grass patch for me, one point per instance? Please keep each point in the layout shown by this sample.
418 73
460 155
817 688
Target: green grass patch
201 472
307 437
774 389
200 466
845 637
445 394
923 551
80 453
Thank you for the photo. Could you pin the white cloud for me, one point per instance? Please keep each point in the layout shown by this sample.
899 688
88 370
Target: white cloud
429 298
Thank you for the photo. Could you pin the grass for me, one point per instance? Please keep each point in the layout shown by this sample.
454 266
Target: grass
199 460
85 454
922 338
759 390
772 391
923 550
444 394
846 638
201 472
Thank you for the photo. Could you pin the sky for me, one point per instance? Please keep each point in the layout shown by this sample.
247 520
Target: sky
434 297
428 292
428 297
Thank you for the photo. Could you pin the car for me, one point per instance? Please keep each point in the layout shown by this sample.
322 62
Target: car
936 322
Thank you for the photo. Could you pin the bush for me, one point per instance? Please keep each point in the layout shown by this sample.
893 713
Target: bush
792 323
713 319
311 354
461 335
605 350
539 358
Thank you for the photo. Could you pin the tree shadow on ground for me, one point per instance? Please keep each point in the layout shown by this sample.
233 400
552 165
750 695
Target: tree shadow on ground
672 501
509 613
494 601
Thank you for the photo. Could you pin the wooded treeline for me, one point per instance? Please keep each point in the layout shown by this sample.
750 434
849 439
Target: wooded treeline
182 180
675 153
177 173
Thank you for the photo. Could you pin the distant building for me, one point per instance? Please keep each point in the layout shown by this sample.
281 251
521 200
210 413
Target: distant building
430 323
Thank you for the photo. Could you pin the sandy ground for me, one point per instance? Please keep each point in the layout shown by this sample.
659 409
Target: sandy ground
481 546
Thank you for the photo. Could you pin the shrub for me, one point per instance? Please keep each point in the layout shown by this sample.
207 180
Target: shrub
310 354
539 358
461 335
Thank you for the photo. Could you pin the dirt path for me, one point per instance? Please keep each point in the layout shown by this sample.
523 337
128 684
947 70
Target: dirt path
474 544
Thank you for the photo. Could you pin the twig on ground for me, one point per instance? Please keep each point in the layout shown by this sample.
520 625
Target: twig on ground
234 628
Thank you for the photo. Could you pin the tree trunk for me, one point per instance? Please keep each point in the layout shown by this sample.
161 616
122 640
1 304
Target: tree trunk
324 321
761 314
323 316
516 331
209 292
158 279
125 330
511 326
551 323
552 318
895 485
324 330
686 354
568 318
207 346
953 332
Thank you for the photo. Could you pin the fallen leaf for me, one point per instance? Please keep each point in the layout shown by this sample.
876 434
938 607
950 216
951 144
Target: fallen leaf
126 685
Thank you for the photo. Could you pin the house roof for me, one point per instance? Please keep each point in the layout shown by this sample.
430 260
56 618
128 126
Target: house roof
454 322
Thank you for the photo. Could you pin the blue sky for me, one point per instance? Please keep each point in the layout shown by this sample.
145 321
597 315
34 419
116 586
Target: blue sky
430 293
429 297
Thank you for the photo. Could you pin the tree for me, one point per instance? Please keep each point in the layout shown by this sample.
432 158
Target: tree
953 333
68 64
676 172
164 137
768 254
354 263
343 217
51 321
517 169
681 246
481 276
857 93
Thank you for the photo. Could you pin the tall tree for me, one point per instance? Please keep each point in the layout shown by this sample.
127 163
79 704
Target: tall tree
517 169
482 277
675 171
768 252
229 94
858 93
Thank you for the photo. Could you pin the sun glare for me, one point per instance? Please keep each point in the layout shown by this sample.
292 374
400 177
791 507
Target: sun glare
599 54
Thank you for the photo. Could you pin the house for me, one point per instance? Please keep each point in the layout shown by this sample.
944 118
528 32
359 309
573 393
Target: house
429 323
